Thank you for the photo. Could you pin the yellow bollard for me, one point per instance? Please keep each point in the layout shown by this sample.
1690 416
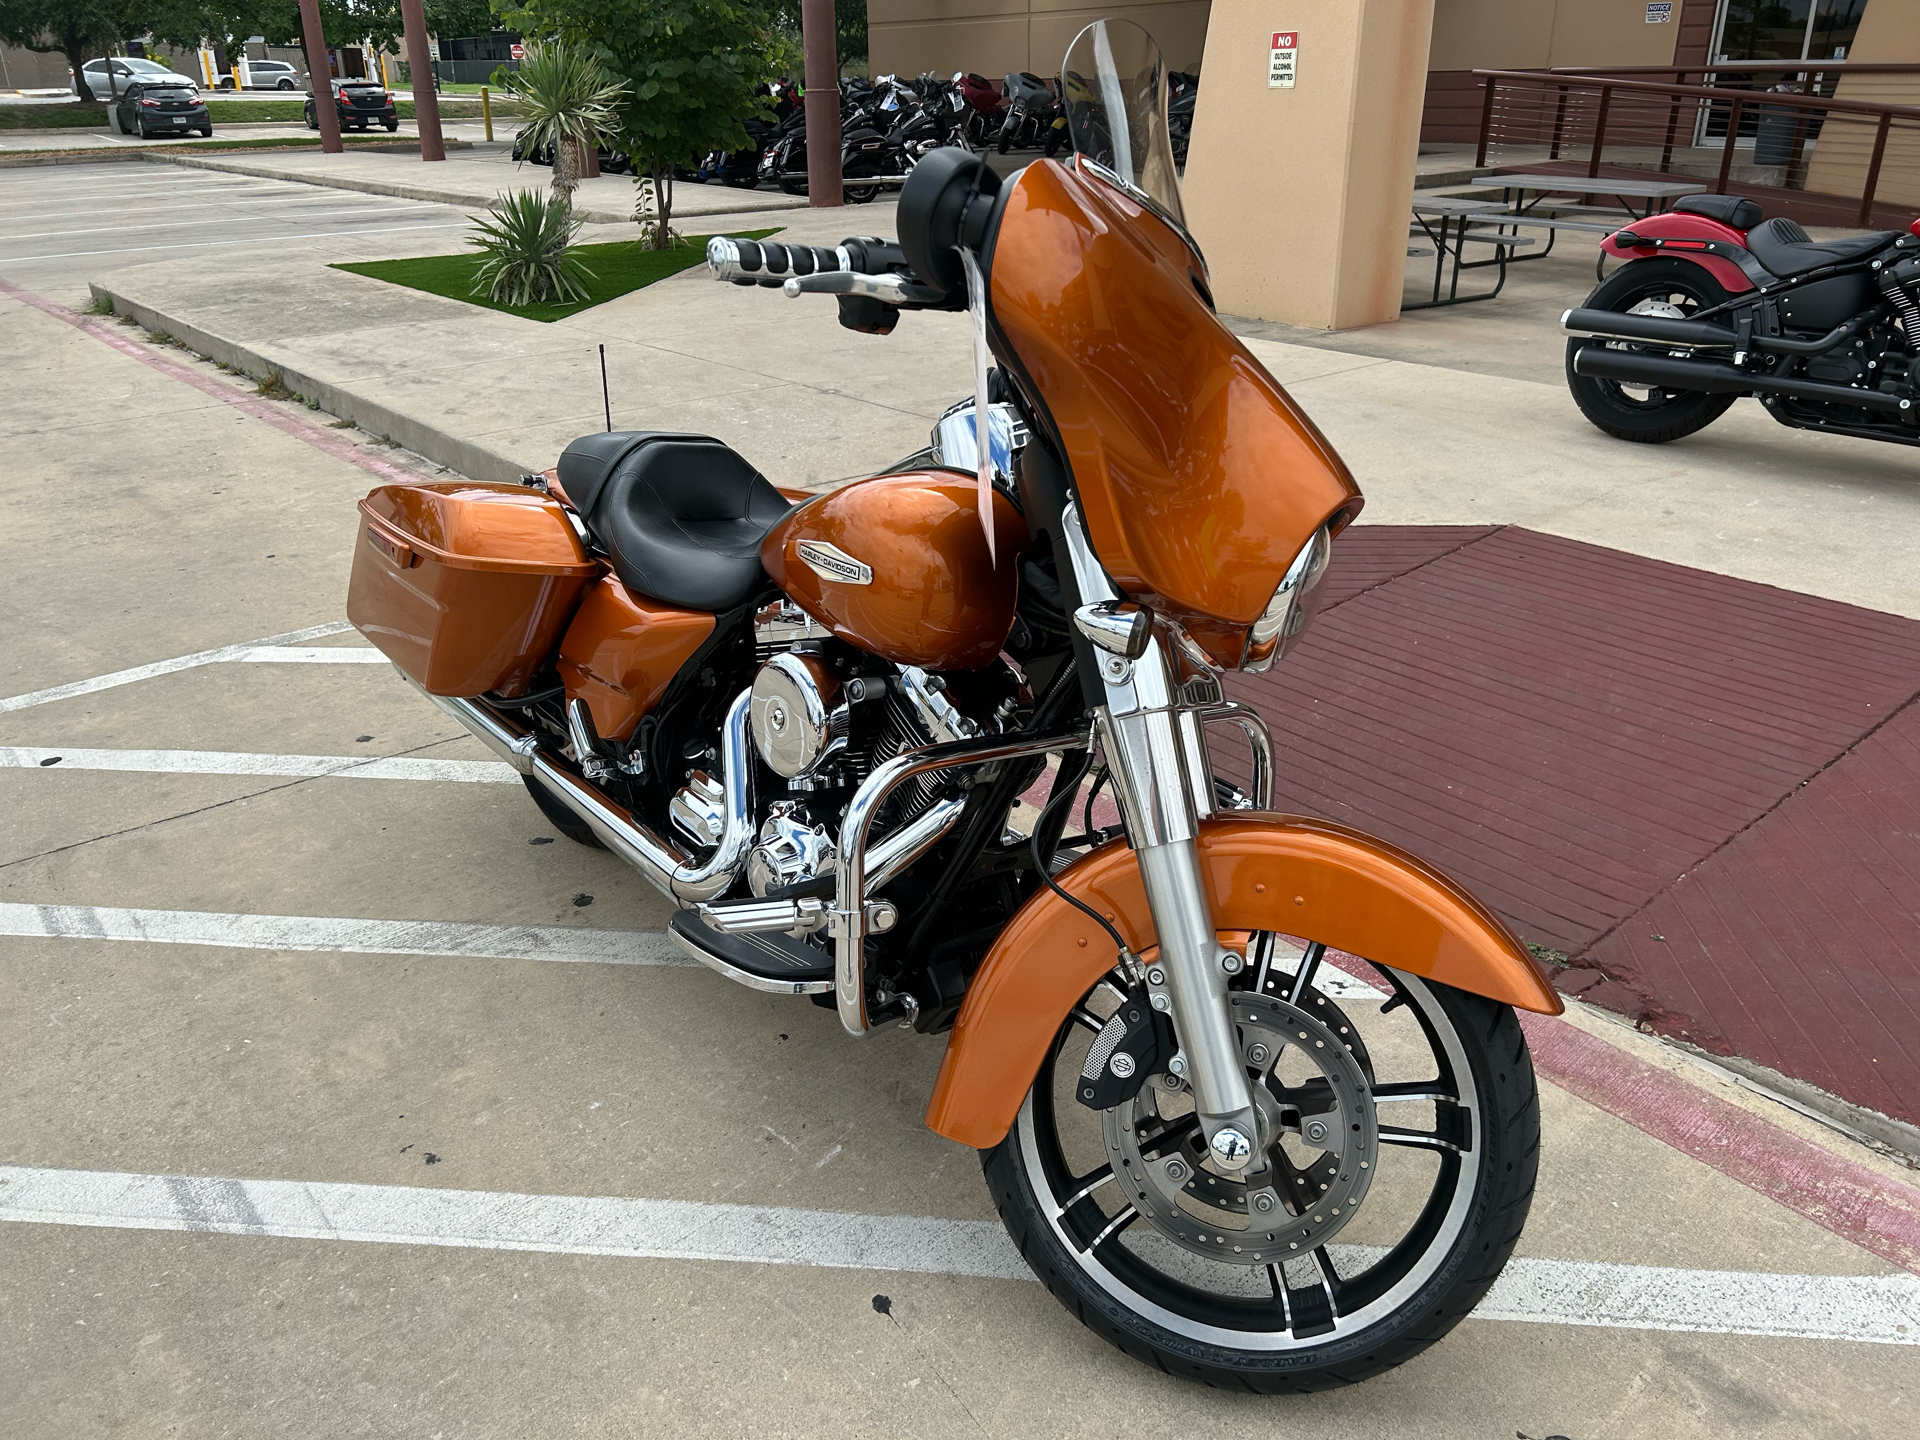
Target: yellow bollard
237 86
486 111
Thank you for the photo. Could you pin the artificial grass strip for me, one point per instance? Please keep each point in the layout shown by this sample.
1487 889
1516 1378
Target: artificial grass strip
619 268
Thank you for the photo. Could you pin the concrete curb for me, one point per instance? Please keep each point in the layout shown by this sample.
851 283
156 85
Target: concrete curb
472 460
425 193
367 187
101 154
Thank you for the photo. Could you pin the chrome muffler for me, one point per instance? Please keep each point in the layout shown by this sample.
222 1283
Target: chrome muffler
665 864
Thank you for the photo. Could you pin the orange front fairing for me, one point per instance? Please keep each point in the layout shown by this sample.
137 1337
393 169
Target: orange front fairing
1309 878
1198 477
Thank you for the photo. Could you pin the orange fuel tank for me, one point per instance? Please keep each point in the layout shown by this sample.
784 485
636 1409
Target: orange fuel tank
898 566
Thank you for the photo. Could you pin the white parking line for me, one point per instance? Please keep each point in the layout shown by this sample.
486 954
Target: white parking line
314 655
228 762
1883 1309
342 935
163 667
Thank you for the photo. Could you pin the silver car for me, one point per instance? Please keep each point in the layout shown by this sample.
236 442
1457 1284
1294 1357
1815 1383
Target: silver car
129 70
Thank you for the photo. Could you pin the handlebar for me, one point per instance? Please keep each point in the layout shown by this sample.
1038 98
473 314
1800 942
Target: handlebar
758 262
863 266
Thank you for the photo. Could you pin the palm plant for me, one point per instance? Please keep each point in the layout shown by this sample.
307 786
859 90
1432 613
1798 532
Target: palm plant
567 98
524 248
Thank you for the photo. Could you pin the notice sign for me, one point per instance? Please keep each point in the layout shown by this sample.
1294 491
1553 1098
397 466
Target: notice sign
1286 45
518 52
1660 13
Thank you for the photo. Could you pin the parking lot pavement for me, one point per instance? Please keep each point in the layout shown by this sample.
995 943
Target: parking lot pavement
346 1100
60 226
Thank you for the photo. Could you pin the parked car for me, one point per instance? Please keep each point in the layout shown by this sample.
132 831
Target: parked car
359 103
147 108
128 70
270 75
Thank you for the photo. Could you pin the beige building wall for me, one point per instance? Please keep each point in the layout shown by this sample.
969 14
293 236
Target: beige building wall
994 37
1889 34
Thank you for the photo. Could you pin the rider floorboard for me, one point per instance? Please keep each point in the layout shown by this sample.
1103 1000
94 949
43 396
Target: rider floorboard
1584 737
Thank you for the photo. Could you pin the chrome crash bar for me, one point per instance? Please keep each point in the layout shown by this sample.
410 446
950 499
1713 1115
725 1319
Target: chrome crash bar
852 920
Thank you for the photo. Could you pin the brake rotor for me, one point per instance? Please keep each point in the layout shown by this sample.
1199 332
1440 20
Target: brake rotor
1288 1208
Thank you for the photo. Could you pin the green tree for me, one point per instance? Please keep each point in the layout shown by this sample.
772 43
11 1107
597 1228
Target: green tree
81 30
692 70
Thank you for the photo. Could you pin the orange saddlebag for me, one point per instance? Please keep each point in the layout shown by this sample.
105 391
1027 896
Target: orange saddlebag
465 586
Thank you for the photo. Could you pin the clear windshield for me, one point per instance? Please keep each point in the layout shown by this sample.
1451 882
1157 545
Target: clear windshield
1115 83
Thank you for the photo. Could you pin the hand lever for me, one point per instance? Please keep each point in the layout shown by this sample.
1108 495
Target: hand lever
893 288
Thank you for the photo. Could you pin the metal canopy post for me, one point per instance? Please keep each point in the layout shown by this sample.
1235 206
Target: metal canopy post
426 102
320 77
823 102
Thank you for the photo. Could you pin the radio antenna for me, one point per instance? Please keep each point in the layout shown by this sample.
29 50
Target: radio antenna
606 395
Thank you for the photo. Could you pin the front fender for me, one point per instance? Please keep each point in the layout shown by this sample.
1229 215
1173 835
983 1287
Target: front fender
1307 878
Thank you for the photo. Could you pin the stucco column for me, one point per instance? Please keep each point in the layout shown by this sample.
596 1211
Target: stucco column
1299 196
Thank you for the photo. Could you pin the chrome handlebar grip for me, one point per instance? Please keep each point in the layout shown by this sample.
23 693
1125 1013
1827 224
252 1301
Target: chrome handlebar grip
763 262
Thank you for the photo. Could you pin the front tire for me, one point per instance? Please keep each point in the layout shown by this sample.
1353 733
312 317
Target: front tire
1248 1326
1648 415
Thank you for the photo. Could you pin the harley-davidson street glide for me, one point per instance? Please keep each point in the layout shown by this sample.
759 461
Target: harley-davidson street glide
1249 1088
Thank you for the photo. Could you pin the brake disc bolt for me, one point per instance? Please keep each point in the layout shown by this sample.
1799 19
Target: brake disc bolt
1258 1055
1316 1131
1263 1203
1176 1170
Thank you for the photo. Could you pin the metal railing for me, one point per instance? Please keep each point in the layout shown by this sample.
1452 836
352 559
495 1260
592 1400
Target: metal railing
1820 144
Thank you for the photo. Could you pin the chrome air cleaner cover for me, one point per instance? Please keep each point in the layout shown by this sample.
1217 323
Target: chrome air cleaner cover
798 717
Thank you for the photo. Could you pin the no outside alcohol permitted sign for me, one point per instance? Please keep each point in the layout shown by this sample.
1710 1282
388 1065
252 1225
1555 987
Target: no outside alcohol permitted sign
1286 45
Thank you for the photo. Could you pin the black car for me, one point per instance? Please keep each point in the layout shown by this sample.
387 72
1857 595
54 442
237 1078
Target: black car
359 103
147 109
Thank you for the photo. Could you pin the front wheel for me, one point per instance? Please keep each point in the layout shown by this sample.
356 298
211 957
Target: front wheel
312 118
1409 1129
1649 414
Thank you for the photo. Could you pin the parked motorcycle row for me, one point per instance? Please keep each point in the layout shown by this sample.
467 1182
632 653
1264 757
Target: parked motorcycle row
889 123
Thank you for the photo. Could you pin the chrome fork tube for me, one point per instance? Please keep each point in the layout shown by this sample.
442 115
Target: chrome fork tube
1164 784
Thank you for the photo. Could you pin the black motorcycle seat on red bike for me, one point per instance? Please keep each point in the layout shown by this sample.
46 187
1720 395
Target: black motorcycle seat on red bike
1734 210
681 517
1785 249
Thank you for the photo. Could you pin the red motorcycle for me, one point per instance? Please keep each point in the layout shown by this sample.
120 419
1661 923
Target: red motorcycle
1715 303
988 103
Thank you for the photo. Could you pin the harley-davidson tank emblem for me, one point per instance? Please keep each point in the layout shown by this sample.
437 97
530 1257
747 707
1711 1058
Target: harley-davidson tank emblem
830 562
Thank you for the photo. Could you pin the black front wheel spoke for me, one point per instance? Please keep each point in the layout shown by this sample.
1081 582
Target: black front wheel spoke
1416 1139
1414 1090
1303 976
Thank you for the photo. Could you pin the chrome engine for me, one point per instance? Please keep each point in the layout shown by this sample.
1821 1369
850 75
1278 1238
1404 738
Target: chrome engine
822 722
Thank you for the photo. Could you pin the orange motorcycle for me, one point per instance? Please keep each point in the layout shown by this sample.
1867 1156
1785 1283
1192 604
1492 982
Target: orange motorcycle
1249 1088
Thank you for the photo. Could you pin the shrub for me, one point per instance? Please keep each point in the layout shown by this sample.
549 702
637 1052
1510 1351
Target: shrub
524 248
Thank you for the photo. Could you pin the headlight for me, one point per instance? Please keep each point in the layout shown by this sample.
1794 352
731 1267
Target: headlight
1292 605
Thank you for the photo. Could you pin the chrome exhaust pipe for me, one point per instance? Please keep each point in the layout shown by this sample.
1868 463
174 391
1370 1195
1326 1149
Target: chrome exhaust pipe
664 864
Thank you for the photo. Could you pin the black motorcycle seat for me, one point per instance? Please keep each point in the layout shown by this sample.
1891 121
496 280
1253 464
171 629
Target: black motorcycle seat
681 517
1784 249
1734 210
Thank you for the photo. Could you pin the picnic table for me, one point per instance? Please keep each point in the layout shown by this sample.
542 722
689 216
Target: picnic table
1651 191
1462 222
1455 217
